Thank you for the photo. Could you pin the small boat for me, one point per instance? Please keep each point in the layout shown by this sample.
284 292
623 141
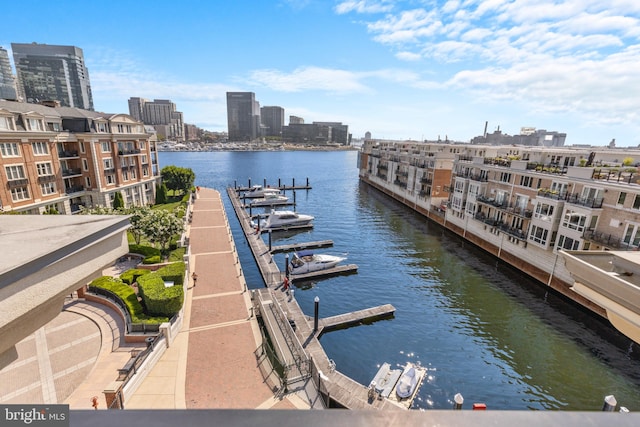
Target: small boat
407 383
284 219
258 191
270 199
307 261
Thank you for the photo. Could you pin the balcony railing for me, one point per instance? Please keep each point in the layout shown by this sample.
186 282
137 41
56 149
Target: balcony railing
128 152
74 189
588 202
14 183
400 183
71 172
500 225
67 154
608 240
426 180
551 168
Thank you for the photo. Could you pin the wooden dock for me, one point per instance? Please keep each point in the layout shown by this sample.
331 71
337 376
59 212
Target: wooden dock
301 246
303 342
359 317
334 271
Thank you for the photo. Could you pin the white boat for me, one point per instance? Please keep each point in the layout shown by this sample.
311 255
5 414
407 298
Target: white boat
258 191
307 261
284 219
407 383
270 199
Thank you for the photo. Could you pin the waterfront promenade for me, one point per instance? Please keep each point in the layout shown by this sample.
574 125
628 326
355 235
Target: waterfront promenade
211 363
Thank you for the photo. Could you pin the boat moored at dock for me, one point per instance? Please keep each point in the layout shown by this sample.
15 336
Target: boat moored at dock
307 261
258 191
281 220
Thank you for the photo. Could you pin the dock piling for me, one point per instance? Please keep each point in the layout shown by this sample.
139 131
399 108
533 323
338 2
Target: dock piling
286 265
458 401
316 306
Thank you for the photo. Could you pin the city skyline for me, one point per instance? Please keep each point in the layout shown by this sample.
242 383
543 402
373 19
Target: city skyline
398 69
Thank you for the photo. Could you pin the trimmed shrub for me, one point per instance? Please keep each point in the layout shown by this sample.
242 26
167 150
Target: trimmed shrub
128 296
173 272
151 255
158 299
131 276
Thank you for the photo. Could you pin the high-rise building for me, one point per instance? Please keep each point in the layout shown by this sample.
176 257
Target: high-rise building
52 73
7 81
243 116
272 119
161 114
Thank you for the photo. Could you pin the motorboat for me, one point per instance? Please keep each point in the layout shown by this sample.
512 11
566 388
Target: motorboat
307 261
258 191
270 199
407 383
284 219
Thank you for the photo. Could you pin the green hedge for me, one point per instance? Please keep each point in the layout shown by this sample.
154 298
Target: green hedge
159 299
151 255
131 276
129 297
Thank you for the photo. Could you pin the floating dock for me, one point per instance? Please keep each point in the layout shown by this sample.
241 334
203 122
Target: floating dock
302 353
386 381
301 246
328 272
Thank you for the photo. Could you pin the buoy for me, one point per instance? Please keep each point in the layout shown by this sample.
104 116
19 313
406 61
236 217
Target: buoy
479 407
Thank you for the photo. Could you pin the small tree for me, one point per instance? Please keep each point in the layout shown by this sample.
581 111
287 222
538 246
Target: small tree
138 213
118 201
177 178
160 226
627 161
161 194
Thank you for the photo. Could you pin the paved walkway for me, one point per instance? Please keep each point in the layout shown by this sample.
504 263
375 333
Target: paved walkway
210 364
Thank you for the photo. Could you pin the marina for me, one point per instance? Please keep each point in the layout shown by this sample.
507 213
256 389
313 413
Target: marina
295 336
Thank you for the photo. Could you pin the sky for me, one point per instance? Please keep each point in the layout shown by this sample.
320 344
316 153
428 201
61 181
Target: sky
400 69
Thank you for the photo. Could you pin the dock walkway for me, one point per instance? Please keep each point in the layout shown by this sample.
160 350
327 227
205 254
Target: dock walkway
342 390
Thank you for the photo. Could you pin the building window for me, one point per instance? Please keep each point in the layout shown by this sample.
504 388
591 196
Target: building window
19 193
505 177
6 123
105 147
145 172
35 124
133 174
143 159
125 175
85 165
110 179
526 181
538 234
14 172
568 243
40 148
544 211
142 145
10 149
81 146
632 235
574 220
44 169
87 180
102 127
621 198
120 128
108 163
48 188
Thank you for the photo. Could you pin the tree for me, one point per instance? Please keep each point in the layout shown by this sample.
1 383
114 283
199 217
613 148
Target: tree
118 201
138 213
161 194
177 178
160 226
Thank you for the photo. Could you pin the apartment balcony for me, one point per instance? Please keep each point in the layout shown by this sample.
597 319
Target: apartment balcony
500 225
74 189
399 183
381 175
550 194
132 152
15 183
497 161
550 168
426 180
609 240
383 167
71 172
68 154
46 178
589 202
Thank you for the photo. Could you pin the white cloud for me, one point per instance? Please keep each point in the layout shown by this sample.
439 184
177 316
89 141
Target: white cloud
309 78
363 6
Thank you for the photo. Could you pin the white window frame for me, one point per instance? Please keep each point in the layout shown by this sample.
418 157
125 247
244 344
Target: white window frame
44 168
40 148
10 149
48 188
15 172
19 194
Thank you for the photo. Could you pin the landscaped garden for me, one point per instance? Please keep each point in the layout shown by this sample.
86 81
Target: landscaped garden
154 292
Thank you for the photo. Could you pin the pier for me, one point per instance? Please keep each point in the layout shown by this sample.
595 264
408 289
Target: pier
302 246
295 337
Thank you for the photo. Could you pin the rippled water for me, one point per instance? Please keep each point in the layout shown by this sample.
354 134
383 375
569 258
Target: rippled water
480 328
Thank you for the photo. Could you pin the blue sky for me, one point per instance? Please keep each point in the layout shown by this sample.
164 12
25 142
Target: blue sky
413 69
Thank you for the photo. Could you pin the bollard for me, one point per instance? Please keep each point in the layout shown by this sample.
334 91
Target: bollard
264 182
294 183
609 403
307 182
294 198
279 185
269 240
249 182
458 401
316 304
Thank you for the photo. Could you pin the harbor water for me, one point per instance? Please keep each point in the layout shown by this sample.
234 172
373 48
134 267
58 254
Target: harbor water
480 328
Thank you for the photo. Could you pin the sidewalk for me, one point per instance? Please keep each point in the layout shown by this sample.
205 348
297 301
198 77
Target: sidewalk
211 363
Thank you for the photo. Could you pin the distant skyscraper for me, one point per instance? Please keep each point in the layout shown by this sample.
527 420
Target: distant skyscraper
243 116
52 73
7 81
273 120
159 113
